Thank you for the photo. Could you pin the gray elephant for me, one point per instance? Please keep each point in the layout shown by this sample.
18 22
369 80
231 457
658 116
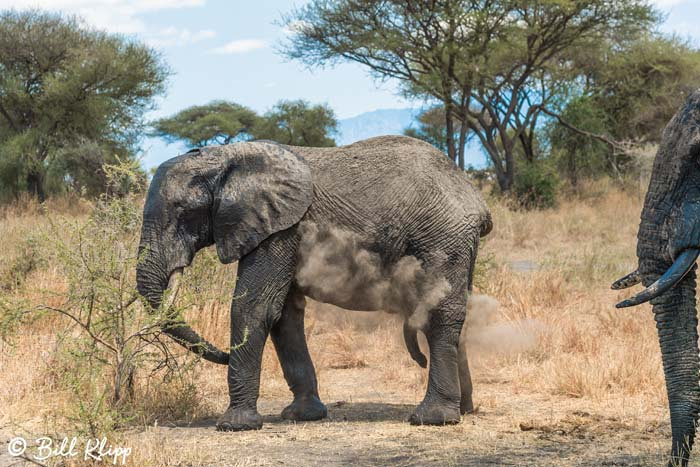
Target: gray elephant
392 203
668 246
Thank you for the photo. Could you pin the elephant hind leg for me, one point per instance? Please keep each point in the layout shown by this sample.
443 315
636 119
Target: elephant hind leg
441 405
290 344
466 405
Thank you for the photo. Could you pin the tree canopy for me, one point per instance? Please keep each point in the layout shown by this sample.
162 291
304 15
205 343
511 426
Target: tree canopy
69 93
639 84
494 65
299 123
218 122
288 122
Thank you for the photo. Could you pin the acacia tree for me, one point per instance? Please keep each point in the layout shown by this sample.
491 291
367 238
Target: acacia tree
298 123
218 122
493 64
626 94
640 84
63 85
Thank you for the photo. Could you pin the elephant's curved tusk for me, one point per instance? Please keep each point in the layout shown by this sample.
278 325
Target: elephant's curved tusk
680 267
629 280
173 287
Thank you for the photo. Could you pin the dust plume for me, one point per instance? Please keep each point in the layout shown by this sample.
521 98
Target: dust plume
486 330
336 268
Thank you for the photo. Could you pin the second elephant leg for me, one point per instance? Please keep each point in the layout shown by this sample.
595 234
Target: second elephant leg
290 344
466 405
441 404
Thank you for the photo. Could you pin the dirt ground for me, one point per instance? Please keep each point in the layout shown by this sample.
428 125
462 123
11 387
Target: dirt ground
367 427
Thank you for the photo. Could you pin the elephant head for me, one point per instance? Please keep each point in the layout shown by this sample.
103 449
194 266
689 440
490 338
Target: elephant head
234 196
668 245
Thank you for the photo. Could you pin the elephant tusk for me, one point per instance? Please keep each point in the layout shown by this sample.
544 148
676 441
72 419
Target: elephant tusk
680 267
629 280
173 286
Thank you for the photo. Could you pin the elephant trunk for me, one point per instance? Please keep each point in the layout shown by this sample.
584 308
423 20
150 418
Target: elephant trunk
152 282
677 323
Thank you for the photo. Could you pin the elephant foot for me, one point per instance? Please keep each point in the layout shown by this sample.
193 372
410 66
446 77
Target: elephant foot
305 410
466 405
238 419
435 414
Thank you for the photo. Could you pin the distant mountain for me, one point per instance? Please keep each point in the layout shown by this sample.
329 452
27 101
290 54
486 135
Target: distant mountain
375 123
394 122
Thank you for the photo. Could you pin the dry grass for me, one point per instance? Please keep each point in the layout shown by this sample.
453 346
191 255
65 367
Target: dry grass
553 362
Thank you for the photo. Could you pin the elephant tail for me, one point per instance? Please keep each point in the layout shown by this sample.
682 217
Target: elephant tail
410 337
486 225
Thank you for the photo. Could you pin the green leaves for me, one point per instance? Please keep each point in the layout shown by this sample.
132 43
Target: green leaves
298 123
218 122
640 83
492 65
288 122
63 85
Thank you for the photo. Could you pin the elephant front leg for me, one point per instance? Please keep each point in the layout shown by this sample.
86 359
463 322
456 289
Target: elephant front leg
264 279
290 343
247 343
441 405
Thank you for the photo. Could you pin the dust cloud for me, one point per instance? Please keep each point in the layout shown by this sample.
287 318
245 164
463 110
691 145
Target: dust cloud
336 268
485 329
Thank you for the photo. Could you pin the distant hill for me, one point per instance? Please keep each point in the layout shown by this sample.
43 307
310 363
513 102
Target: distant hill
375 123
394 122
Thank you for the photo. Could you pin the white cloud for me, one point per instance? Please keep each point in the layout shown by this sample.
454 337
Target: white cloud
111 15
667 3
173 36
240 46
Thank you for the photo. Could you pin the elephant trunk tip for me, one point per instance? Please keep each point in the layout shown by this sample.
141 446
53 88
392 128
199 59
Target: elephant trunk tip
627 281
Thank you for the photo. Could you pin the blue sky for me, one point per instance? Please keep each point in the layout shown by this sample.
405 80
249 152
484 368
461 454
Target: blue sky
222 49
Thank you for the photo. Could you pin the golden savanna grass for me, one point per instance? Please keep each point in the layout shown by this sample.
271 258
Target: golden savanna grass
560 376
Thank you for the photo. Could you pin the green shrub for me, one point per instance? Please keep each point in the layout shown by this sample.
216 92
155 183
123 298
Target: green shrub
109 352
535 186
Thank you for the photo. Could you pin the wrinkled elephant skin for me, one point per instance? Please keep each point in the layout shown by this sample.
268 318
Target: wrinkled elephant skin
388 223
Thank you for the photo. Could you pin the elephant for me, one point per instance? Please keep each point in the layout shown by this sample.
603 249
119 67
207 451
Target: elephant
393 201
668 244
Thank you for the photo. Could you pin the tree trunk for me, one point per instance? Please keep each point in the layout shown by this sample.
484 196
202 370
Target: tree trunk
450 130
510 168
463 129
504 182
528 146
35 184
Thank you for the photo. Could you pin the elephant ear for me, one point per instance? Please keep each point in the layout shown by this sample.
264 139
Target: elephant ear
263 188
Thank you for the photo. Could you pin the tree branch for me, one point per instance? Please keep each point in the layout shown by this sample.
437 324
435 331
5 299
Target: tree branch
609 141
